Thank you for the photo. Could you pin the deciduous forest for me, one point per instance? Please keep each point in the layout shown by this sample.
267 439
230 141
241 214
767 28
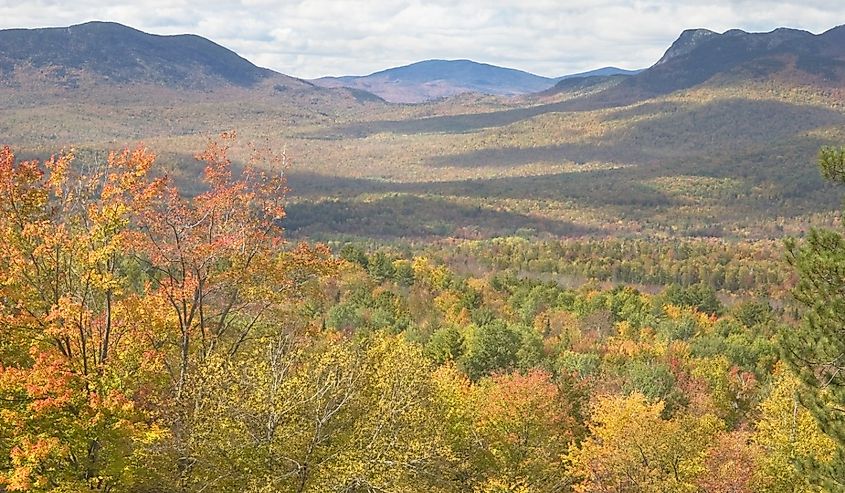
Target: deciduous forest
154 341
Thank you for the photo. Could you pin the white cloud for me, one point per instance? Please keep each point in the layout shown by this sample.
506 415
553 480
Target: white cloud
311 38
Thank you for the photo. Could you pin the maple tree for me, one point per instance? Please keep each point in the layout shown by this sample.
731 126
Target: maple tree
525 425
70 351
115 289
731 464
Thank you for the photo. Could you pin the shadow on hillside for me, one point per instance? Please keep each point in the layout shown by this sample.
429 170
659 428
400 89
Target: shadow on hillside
727 118
614 187
455 124
417 217
675 133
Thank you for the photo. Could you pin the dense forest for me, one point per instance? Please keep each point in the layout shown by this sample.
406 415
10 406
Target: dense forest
157 341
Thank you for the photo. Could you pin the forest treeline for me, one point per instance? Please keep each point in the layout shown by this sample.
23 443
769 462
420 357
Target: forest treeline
732 267
151 342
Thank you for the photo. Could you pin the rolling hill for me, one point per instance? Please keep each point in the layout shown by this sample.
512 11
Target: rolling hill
432 79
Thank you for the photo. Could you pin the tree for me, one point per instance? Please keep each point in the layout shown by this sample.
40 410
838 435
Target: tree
699 296
731 465
218 277
790 439
816 350
500 347
525 427
445 344
73 360
314 414
730 391
630 448
490 348
508 432
120 299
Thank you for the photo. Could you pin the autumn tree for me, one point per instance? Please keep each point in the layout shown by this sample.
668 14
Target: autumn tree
73 360
120 297
794 447
631 448
525 425
731 464
218 278
508 432
313 413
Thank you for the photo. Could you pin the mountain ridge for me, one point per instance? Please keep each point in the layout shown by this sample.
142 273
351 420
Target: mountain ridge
435 78
112 53
700 56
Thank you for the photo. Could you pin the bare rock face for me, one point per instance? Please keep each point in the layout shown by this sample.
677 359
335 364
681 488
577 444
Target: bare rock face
686 42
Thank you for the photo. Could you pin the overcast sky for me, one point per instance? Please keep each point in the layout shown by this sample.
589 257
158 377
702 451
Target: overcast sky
312 38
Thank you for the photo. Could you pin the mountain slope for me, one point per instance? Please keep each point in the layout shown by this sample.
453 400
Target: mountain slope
720 139
432 79
110 53
701 56
600 72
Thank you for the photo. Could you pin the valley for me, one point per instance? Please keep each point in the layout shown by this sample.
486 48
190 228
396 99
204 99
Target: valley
447 276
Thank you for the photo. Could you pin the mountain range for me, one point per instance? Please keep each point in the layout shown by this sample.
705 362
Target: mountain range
105 53
108 53
718 137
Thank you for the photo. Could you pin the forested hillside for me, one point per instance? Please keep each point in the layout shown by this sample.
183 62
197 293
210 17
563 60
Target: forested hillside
730 155
153 342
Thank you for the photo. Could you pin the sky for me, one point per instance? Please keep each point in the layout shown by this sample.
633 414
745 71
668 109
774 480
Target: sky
314 38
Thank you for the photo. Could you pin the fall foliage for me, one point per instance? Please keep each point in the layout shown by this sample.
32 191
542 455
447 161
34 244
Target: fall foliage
157 341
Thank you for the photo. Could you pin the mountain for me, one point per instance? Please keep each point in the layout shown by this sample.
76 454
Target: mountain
719 137
702 56
600 72
114 54
431 79
587 82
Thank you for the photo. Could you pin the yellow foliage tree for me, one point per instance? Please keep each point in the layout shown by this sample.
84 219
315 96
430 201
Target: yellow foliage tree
632 449
790 437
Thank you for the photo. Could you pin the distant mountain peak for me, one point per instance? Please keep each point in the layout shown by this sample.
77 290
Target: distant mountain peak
436 78
692 39
101 24
600 72
686 43
702 56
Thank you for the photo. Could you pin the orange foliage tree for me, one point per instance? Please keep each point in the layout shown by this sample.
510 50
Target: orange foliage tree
115 292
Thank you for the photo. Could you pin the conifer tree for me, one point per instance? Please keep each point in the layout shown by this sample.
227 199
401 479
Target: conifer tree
816 349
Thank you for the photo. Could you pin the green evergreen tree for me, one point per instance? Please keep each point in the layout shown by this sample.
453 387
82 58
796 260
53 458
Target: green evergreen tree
816 349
